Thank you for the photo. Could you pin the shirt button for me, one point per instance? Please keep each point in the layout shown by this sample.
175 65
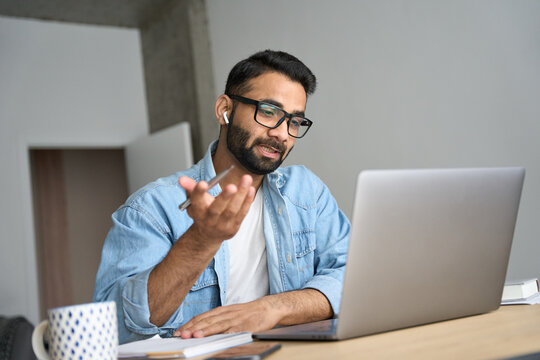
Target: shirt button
279 210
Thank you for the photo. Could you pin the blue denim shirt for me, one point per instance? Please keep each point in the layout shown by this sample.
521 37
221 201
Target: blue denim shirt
306 244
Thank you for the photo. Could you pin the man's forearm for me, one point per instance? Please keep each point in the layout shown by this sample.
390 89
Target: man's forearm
214 220
299 306
171 280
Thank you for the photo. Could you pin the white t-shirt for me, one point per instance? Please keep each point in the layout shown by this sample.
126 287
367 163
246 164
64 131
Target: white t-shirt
248 274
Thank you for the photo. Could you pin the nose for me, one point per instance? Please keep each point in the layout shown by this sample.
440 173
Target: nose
281 133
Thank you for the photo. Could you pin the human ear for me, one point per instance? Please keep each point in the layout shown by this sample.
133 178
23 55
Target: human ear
223 106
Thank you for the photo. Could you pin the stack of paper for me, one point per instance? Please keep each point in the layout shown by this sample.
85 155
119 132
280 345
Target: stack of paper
521 292
170 348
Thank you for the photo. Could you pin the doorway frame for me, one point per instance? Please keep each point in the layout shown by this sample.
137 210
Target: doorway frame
25 144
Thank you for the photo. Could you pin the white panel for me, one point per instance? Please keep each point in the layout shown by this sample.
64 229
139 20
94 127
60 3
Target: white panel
61 85
157 155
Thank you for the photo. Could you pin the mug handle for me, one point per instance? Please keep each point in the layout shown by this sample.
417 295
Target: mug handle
37 341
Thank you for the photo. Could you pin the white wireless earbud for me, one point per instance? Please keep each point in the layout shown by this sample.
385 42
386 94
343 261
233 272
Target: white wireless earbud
225 117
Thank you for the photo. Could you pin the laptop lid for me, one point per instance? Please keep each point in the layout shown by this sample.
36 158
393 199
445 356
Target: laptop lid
426 246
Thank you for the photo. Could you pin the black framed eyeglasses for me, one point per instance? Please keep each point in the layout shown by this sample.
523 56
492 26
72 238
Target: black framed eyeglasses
271 116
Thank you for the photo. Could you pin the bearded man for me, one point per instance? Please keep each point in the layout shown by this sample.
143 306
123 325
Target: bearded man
265 247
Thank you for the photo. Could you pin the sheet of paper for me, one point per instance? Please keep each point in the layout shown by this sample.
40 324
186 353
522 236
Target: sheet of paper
535 299
157 344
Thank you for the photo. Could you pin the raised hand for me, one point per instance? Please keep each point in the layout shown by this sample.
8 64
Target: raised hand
218 219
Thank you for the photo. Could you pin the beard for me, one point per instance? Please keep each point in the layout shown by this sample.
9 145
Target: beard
237 139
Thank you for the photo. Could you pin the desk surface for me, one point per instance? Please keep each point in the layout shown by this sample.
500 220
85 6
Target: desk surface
509 331
506 332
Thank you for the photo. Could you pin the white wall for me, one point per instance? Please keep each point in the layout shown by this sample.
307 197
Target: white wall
61 85
406 84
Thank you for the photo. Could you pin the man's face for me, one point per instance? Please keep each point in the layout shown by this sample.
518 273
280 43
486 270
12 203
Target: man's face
259 149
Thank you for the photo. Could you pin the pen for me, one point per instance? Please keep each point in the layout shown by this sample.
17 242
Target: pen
183 206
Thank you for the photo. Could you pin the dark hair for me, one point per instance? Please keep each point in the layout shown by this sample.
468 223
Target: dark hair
269 61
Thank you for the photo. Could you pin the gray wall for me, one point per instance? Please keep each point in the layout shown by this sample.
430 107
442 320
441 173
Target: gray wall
406 84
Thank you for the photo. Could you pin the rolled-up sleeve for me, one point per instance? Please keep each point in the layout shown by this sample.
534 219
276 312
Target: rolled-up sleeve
134 245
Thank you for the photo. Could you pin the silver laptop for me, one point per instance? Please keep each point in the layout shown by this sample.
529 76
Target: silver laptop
425 246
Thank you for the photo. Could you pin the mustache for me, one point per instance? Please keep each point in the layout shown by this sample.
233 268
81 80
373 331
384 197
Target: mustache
271 143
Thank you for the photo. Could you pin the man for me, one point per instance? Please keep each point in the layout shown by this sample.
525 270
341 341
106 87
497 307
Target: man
266 247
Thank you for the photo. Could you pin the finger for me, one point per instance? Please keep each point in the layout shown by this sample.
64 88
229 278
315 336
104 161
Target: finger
187 183
207 321
183 331
187 327
248 200
238 200
184 334
200 199
216 325
189 331
204 320
200 334
200 189
215 210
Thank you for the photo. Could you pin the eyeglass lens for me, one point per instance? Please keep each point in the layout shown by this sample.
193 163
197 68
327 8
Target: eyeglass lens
269 115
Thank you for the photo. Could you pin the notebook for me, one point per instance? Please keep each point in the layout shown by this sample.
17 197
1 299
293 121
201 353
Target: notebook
178 348
425 246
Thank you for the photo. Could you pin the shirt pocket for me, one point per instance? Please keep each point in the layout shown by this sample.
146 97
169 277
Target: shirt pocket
207 278
305 245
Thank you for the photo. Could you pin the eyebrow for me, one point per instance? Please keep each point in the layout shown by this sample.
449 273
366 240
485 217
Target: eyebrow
280 105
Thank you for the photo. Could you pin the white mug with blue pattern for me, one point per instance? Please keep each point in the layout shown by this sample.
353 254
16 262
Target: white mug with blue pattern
78 332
